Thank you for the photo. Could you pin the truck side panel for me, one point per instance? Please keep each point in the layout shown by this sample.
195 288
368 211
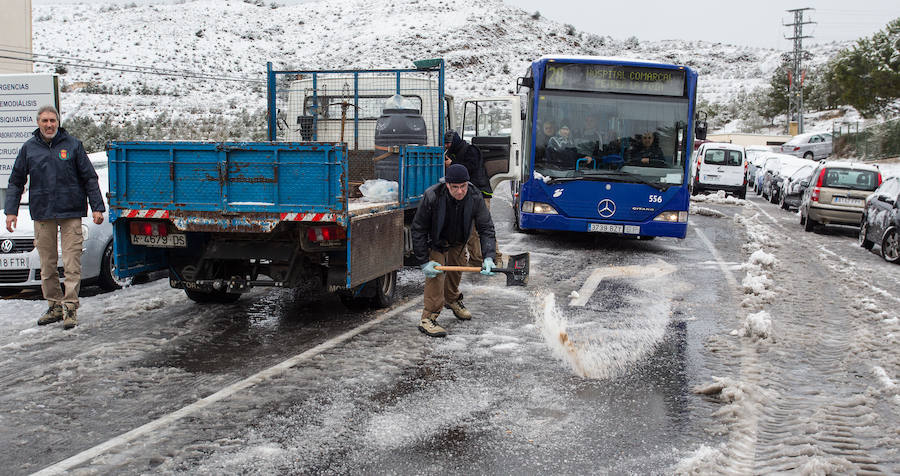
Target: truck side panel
229 177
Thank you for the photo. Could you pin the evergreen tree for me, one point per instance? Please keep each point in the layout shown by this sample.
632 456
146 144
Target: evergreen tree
867 76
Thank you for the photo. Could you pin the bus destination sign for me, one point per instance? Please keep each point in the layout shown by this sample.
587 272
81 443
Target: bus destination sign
609 78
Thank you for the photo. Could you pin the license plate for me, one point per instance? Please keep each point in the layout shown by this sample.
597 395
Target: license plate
168 241
856 202
14 262
604 228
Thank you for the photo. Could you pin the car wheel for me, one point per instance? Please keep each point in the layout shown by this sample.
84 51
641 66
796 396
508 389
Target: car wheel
781 202
217 297
890 246
108 280
863 239
809 224
808 156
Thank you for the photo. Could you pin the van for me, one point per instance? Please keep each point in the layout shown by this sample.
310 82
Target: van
836 193
720 166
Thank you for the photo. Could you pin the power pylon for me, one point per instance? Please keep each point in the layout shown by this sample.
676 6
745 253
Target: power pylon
796 74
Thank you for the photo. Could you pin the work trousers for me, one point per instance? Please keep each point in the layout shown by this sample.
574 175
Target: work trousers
444 288
45 240
473 246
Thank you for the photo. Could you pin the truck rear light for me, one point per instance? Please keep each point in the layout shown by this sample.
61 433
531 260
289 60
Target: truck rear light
318 234
148 228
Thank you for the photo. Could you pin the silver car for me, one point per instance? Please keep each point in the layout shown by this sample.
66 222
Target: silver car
20 265
813 145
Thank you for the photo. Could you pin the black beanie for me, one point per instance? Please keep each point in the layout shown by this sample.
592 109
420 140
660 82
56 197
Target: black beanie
456 173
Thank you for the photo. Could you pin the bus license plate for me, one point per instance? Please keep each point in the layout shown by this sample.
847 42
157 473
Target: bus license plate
604 228
168 241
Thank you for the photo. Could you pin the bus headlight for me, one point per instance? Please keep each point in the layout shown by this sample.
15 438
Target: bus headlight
672 217
538 207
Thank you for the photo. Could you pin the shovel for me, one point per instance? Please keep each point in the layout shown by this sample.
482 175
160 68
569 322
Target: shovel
516 271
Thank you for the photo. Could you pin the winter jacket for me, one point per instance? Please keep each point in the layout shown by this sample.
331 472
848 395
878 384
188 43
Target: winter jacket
61 179
461 152
431 217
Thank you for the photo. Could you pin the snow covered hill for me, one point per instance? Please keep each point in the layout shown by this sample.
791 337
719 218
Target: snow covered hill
486 45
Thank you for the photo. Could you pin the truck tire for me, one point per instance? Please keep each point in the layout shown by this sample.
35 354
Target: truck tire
213 297
380 295
384 290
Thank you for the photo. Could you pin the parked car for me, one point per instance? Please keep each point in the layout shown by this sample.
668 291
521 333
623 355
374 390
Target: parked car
880 223
720 166
20 265
755 155
766 175
786 167
792 187
836 193
812 145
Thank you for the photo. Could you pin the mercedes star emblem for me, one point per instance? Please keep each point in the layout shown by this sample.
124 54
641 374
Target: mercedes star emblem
606 208
6 246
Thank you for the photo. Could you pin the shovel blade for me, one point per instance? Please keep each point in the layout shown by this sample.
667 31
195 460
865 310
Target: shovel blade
517 269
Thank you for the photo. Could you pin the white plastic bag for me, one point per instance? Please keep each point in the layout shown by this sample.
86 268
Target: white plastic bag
398 102
379 190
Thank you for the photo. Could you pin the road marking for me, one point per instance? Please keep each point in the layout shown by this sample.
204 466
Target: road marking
722 264
659 268
166 420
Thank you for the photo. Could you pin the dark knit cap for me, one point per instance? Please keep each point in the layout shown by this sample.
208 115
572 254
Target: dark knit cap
456 173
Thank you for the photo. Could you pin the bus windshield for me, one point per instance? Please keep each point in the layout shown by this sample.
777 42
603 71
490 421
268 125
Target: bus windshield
602 136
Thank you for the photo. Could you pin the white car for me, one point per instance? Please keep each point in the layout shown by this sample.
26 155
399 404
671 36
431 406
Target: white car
812 145
20 265
720 166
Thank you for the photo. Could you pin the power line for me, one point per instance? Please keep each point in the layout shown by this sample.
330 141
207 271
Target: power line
106 65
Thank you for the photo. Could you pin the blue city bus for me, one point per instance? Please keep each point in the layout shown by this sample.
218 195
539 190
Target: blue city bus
623 165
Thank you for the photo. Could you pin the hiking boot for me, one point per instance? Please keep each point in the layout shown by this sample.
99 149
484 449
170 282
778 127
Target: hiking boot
69 317
459 310
54 314
430 326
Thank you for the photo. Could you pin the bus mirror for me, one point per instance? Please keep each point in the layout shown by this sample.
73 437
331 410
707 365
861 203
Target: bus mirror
524 82
700 126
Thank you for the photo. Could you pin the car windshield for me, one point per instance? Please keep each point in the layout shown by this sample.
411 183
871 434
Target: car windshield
850 179
640 139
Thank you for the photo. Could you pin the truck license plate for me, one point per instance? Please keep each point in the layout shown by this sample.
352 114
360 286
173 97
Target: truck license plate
604 228
168 241
14 262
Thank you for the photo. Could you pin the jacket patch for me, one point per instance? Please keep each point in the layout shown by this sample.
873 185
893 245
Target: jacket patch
64 154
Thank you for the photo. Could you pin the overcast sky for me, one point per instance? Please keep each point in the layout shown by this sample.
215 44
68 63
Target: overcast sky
752 22
748 22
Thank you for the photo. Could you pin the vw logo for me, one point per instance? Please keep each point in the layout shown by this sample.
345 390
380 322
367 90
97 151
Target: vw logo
606 208
6 246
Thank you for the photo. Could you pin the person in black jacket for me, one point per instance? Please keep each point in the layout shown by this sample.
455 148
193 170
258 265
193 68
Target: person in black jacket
440 230
458 151
645 151
62 181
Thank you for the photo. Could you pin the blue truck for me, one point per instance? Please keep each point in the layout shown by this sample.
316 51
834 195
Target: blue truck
223 217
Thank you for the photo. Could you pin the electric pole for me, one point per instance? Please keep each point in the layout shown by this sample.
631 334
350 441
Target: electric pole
796 73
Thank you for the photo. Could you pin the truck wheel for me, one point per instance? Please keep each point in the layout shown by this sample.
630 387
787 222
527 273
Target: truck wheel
384 290
217 297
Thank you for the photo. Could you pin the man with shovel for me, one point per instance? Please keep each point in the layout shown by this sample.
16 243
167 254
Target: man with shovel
440 230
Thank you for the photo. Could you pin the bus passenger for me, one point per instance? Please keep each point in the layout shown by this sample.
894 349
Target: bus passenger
548 130
645 151
561 149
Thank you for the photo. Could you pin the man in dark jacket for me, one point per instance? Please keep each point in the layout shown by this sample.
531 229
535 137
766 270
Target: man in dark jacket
646 150
62 180
440 230
458 151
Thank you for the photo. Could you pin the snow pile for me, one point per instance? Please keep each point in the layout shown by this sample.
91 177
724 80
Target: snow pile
757 326
719 197
697 210
757 282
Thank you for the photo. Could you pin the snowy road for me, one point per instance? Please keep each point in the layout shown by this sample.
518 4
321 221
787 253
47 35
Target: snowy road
749 347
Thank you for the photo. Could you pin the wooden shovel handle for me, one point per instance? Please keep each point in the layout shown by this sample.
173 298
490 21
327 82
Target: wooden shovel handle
458 268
